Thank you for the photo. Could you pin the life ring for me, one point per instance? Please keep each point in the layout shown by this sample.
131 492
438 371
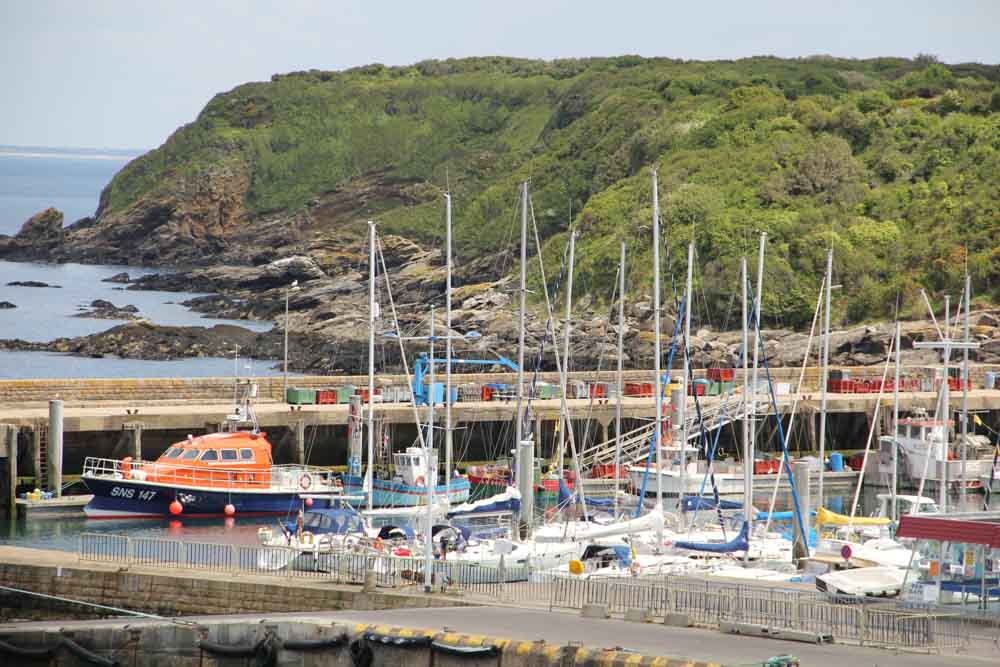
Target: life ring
305 481
126 467
420 481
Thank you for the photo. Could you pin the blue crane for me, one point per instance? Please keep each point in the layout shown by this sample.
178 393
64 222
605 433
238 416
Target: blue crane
420 390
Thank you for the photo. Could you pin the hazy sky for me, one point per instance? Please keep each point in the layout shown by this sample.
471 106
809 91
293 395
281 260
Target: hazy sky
125 74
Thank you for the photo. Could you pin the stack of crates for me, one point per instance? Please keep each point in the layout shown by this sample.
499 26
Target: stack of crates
397 393
326 396
543 391
363 393
596 390
698 387
723 380
299 396
644 389
468 392
840 382
344 393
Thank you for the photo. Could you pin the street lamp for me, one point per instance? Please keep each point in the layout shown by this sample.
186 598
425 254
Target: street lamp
294 287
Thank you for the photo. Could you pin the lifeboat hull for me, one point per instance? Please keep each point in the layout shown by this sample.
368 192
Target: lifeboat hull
132 499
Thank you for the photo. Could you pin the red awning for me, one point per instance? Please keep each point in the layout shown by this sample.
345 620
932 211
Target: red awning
950 530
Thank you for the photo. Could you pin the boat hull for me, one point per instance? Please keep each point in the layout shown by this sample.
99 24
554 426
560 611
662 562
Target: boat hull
727 484
388 493
130 499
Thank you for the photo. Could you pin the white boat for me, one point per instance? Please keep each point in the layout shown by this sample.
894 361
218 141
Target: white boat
862 581
919 438
728 484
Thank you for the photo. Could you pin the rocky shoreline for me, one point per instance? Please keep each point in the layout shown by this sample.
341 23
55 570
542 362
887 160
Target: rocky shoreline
328 321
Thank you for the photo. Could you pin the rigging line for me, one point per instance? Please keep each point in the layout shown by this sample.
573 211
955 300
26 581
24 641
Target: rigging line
402 350
795 401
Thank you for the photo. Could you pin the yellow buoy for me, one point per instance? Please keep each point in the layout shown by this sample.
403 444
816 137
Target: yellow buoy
575 567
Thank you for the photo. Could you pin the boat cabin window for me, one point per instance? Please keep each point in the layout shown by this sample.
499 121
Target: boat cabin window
172 453
229 455
246 455
210 455
190 454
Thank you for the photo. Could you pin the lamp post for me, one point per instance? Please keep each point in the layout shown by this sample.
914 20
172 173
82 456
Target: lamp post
294 287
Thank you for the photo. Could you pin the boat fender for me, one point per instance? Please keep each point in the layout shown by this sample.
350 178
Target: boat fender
87 655
306 538
420 481
305 481
465 651
398 642
635 568
29 653
126 467
361 653
313 644
264 652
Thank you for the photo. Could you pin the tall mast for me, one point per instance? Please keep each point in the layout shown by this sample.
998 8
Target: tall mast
621 372
687 369
945 413
752 416
965 388
447 368
567 326
430 478
372 315
826 372
518 429
895 421
745 424
658 420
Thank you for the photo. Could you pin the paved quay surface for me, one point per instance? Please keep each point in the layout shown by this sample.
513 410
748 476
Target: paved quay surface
564 628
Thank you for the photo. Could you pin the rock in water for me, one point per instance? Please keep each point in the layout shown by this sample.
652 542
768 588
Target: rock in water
122 277
32 283
39 236
105 310
6 305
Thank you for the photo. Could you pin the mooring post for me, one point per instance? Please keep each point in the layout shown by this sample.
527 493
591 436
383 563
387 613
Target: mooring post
8 444
135 428
55 447
300 441
36 453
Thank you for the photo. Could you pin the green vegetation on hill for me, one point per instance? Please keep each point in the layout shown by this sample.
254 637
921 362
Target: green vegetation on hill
892 161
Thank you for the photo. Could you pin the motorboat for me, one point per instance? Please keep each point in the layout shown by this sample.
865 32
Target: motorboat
415 468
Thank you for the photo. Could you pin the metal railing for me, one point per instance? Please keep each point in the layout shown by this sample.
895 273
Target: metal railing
291 478
874 622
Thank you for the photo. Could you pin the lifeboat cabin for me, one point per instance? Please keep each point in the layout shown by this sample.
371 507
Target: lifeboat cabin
231 460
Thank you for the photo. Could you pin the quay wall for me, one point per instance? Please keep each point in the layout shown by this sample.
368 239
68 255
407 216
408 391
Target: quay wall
176 645
179 593
91 390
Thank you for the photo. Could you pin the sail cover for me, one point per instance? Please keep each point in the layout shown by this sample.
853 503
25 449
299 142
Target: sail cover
739 543
508 501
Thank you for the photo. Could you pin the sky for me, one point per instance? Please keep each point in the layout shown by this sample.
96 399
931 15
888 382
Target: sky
120 74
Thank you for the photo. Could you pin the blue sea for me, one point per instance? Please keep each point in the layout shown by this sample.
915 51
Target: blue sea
32 179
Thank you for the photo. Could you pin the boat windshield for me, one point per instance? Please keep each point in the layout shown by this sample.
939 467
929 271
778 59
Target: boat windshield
190 454
172 453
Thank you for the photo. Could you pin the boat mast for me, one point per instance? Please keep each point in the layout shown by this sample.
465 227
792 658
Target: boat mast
752 415
431 475
621 372
945 411
369 479
826 371
447 344
686 383
658 420
518 429
895 422
745 425
567 326
965 389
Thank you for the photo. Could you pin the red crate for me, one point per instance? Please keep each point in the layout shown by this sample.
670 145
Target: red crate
722 374
363 393
487 394
596 390
326 396
696 389
638 388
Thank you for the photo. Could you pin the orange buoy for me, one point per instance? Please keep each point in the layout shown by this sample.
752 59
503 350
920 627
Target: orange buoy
176 508
229 510
309 502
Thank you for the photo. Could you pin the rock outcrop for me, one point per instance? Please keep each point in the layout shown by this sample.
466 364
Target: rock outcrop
39 236
105 310
31 283
6 305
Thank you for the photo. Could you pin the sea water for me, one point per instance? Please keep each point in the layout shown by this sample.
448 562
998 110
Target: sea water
71 180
